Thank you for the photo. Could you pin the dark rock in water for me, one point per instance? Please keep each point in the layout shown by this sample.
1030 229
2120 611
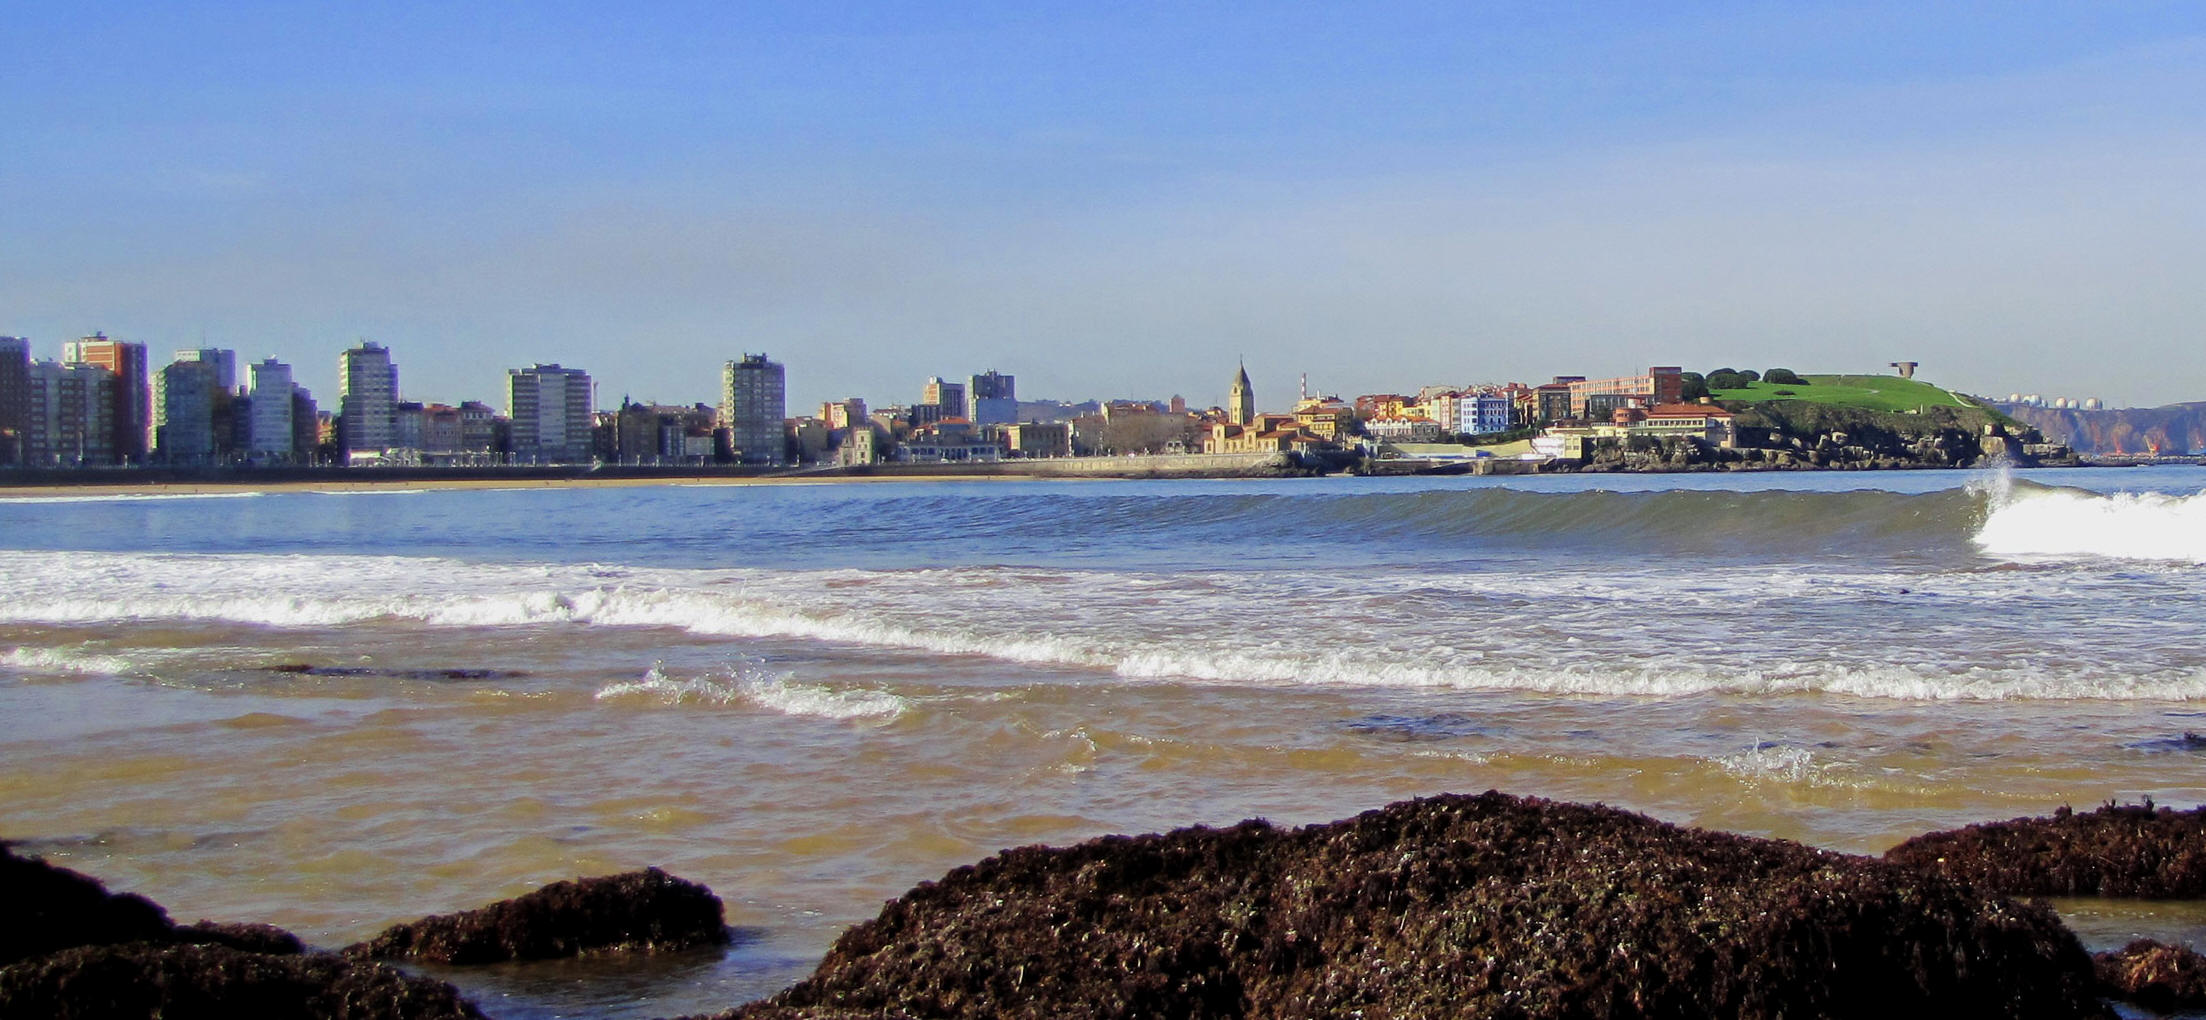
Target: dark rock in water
2127 850
640 910
71 949
309 669
51 909
1416 728
251 938
1457 906
187 982
2154 975
2189 741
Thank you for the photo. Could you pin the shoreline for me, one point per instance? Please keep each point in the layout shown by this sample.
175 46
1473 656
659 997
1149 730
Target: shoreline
156 481
127 482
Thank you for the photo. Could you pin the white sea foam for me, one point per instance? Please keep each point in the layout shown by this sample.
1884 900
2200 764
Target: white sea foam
2067 524
62 660
657 686
760 688
1651 634
1781 763
824 702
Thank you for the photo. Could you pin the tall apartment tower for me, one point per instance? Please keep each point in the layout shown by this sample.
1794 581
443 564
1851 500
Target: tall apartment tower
948 398
184 397
991 399
72 415
272 432
15 397
132 426
550 410
306 425
1241 401
753 405
224 362
367 395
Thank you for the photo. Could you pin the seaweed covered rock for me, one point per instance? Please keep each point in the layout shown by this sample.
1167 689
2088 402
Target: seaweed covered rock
639 910
2127 850
251 938
204 982
1457 906
2154 975
52 908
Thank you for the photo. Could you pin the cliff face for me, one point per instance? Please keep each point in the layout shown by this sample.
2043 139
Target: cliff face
2176 428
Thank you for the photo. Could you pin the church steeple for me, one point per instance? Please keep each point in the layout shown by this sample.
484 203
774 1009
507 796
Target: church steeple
1241 403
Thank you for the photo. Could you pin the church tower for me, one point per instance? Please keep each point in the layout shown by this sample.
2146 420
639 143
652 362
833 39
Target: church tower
1241 403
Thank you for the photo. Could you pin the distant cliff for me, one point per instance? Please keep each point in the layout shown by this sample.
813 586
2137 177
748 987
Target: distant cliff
2176 428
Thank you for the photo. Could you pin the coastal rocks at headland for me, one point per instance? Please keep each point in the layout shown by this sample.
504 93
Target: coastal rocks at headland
2118 850
639 910
2154 975
1482 906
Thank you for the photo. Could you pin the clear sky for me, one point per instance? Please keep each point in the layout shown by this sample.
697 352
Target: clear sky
1116 200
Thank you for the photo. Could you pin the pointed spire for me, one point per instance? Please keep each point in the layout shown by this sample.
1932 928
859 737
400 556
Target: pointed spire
1241 402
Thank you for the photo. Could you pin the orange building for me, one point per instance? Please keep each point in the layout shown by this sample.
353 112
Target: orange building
133 390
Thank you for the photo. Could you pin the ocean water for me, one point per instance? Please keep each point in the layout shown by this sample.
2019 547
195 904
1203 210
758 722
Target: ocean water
333 711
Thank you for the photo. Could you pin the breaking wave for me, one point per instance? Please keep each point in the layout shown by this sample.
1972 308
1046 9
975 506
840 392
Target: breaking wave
63 660
1722 523
751 686
2043 523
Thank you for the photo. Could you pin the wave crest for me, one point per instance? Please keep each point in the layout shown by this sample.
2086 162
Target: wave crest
2041 524
761 689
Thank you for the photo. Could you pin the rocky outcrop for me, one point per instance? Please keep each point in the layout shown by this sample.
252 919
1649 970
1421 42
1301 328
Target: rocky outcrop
2154 975
1833 435
51 909
2135 851
640 910
189 982
1486 906
69 948
251 938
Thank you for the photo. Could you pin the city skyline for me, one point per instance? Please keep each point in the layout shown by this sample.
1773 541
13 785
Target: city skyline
390 389
1117 203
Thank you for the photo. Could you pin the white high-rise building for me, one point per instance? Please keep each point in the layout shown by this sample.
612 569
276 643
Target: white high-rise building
753 404
271 432
367 395
550 410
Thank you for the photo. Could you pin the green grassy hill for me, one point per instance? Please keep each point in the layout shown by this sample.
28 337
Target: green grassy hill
1882 412
1868 392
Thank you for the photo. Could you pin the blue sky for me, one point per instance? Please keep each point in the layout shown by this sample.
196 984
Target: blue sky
1117 200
